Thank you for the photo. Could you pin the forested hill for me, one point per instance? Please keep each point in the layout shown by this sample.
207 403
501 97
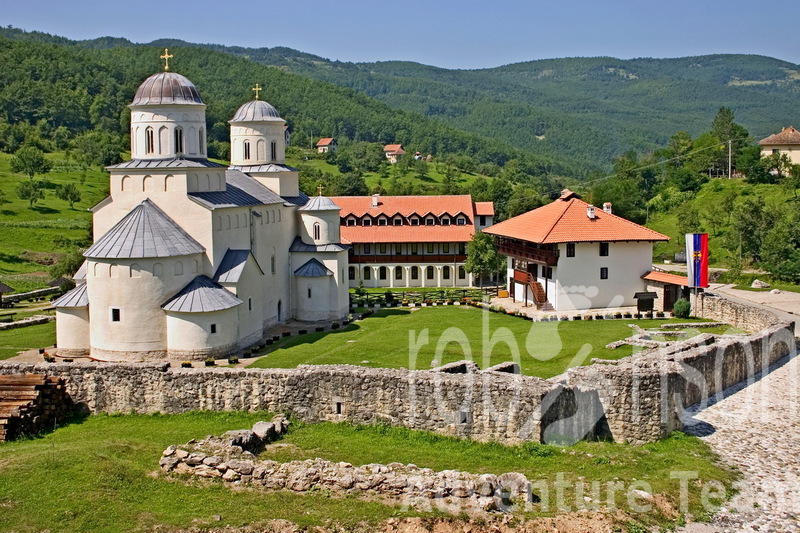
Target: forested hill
53 90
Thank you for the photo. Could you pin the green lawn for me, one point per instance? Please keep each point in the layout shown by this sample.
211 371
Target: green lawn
101 474
543 349
19 339
32 238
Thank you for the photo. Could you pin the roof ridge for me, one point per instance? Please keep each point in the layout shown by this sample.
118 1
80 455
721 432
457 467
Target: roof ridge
557 220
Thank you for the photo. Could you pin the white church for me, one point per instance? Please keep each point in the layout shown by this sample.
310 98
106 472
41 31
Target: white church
192 259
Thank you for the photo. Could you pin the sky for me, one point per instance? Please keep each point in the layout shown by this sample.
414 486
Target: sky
464 34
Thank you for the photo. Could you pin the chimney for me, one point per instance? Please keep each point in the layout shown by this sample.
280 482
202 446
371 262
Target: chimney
590 211
607 207
375 200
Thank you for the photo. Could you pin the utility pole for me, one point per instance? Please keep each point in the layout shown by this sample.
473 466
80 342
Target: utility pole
730 150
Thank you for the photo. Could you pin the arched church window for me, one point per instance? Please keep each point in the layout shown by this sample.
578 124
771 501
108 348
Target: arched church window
316 231
179 268
398 272
178 140
446 272
201 141
247 149
274 150
149 141
367 272
382 272
429 272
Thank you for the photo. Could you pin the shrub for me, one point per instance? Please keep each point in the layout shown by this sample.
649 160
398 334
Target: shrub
682 308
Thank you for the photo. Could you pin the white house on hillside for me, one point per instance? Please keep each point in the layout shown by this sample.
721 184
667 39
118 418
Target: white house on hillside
569 255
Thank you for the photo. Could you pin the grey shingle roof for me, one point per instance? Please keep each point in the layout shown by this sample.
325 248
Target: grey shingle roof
232 265
269 167
241 190
175 162
81 273
144 232
167 88
77 297
256 111
312 269
299 246
296 200
201 295
320 203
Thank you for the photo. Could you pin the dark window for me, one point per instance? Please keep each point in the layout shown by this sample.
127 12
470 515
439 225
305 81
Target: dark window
415 222
309 291
382 248
115 314
178 140
430 221
212 328
603 249
414 249
604 273
446 272
316 231
571 249
274 149
462 273
398 272
398 221
382 272
548 272
351 222
247 149
461 221
483 220
414 273
367 249
249 304
446 248
351 273
149 144
429 272
398 249
462 248
366 222
383 222
201 141
366 273
445 221
430 247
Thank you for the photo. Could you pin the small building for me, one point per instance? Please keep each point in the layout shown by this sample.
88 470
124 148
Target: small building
786 142
327 144
484 214
669 288
409 241
393 152
569 255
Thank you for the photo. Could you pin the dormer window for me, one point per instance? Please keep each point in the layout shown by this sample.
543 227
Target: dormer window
383 222
445 221
461 221
366 222
398 221
351 222
415 222
247 149
430 221
178 140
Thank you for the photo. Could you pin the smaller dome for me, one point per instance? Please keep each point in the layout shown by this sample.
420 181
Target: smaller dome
167 88
256 111
320 203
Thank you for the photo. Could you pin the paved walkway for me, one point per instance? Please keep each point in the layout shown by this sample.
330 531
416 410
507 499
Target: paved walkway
757 429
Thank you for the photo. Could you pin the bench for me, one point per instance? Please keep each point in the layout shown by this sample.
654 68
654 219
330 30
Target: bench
7 317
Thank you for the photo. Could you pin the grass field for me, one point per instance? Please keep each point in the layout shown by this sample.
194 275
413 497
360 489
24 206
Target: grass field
16 340
543 349
101 474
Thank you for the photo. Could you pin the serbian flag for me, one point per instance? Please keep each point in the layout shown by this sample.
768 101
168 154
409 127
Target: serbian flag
697 259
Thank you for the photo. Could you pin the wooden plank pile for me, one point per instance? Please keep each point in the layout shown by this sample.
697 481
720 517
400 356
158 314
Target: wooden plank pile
30 403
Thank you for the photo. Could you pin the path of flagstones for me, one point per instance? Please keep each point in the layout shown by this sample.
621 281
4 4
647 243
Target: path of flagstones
757 428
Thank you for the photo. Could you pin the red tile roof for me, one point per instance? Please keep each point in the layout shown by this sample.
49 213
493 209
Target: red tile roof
786 136
484 208
664 277
394 149
406 206
565 220
325 142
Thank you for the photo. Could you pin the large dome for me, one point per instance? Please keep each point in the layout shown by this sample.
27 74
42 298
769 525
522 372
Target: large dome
256 111
167 88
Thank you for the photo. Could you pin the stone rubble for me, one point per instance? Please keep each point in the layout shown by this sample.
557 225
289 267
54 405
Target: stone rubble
232 458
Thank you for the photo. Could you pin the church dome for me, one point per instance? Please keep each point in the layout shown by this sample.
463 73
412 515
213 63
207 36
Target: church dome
320 203
256 111
167 88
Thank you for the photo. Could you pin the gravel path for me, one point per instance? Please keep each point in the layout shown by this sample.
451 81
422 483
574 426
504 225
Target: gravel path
757 429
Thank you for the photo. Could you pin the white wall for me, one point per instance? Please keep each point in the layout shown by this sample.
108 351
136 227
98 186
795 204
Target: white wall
72 329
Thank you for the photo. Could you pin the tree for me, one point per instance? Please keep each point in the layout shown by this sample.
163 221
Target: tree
725 129
31 191
688 220
30 160
69 193
482 256
792 180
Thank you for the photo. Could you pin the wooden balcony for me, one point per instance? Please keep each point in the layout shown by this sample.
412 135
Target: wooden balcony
391 258
518 250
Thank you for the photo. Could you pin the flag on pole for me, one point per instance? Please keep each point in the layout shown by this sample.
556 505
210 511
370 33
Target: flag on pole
697 259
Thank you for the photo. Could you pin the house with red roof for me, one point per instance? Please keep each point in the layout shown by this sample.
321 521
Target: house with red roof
393 152
327 144
410 241
786 142
570 255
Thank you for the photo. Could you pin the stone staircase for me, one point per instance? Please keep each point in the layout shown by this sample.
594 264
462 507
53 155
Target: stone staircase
30 403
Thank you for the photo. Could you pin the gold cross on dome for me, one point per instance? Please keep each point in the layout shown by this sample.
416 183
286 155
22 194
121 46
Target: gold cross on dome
166 57
256 89
319 189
